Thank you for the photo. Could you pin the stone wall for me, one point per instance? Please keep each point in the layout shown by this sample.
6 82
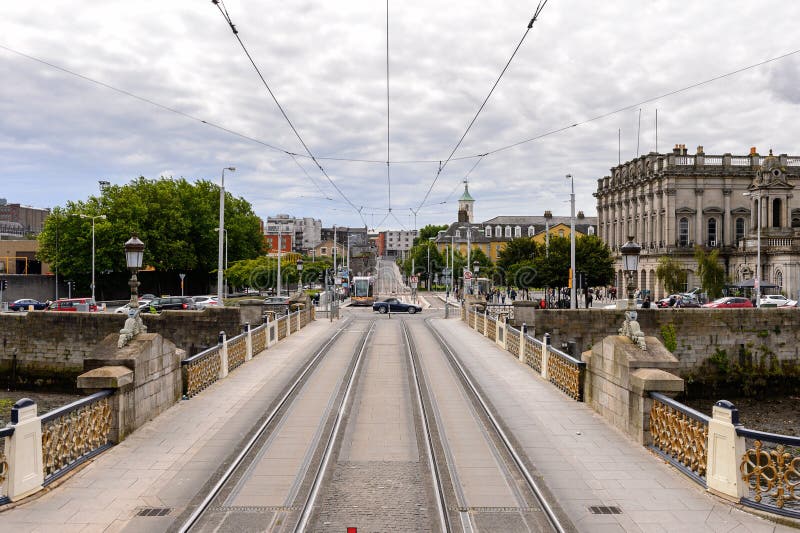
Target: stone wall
699 332
44 348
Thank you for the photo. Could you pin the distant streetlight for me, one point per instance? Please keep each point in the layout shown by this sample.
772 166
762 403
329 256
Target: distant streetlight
93 218
573 297
134 253
630 261
220 271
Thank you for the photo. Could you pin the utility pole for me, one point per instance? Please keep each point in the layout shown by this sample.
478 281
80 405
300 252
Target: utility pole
279 258
220 271
573 304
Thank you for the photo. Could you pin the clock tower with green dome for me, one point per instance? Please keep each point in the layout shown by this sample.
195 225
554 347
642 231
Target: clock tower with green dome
465 205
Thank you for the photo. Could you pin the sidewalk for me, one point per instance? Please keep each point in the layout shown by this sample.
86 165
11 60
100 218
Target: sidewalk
168 460
585 462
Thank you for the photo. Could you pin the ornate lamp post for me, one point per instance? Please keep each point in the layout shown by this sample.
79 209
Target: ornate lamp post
134 251
630 261
299 273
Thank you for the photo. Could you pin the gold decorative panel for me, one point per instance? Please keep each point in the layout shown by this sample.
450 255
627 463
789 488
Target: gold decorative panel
75 434
566 375
237 352
533 355
201 373
772 474
680 436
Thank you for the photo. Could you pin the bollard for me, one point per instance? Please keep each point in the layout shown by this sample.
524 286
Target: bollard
522 332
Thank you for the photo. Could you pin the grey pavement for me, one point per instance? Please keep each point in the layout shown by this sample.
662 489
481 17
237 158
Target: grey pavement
586 462
167 461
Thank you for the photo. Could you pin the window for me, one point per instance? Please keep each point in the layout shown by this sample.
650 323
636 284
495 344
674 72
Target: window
531 231
779 278
739 229
323 251
508 231
683 232
591 230
776 213
517 231
458 234
487 231
498 231
712 232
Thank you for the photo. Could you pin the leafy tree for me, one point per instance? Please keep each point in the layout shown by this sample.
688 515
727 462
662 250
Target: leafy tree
174 218
671 274
710 272
553 269
418 255
431 230
593 257
516 251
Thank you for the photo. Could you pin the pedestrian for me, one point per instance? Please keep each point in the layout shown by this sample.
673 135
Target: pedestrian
646 303
588 299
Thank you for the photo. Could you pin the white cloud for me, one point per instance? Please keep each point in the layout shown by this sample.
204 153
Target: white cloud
326 64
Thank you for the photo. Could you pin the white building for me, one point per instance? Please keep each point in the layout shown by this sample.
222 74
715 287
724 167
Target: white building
305 232
398 243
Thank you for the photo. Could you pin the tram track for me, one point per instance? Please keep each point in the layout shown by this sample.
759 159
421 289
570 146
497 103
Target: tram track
527 507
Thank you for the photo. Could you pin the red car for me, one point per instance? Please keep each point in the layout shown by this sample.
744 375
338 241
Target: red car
729 302
74 304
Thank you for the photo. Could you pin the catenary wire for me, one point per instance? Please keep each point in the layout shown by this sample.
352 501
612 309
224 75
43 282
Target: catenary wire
388 114
223 10
539 8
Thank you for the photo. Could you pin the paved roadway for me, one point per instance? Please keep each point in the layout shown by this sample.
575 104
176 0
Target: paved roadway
379 479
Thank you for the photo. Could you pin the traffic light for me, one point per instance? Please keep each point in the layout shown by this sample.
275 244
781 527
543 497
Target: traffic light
4 284
569 281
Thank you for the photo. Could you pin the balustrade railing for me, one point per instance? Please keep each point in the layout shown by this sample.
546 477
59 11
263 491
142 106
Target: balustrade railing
4 432
740 161
74 433
200 370
282 327
259 338
712 160
491 328
479 322
512 341
566 373
770 468
680 435
533 353
237 351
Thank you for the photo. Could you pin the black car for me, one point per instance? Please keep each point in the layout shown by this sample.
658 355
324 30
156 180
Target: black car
395 306
25 303
170 303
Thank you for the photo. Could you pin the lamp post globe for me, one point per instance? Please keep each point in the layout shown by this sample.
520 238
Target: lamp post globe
630 262
134 254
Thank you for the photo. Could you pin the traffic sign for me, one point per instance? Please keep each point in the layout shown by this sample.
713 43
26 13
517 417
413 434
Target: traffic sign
414 279
467 274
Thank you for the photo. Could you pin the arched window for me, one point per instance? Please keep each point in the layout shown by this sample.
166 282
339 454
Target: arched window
776 213
458 234
517 231
739 229
488 231
683 232
508 231
779 278
498 231
712 232
561 233
531 231
591 230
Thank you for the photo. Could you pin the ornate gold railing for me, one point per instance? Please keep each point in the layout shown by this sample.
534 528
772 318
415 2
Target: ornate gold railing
680 435
479 322
282 325
512 341
74 433
533 353
237 351
491 328
771 469
199 371
4 432
566 373
259 339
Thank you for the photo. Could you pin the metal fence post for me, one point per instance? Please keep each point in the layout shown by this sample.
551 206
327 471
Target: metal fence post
725 448
522 333
223 355
546 356
249 341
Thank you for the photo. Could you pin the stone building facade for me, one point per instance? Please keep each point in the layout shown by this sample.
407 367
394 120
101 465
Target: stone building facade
672 203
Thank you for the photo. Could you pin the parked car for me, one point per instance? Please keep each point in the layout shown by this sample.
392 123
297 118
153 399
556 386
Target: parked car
173 303
74 304
687 301
395 306
206 301
25 304
729 302
777 300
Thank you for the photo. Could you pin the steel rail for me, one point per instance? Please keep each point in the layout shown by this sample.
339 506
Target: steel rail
305 516
444 520
201 508
548 510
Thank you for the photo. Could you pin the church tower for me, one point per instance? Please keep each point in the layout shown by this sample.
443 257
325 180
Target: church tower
465 205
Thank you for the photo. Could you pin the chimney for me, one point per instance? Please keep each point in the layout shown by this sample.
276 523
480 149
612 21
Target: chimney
580 215
548 214
700 150
753 150
677 149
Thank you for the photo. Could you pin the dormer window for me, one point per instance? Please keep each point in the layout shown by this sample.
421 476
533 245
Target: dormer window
531 231
488 231
498 231
517 231
508 231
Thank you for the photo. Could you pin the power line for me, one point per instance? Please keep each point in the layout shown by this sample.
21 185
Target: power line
539 9
388 114
223 10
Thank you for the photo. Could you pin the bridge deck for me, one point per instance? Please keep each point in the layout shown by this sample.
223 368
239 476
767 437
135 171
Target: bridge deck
583 461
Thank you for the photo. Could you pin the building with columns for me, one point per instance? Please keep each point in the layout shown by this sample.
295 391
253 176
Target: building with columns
671 203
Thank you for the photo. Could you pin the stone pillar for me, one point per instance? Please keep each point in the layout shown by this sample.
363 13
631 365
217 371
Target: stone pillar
727 229
223 355
546 356
660 219
522 331
698 217
669 217
24 451
249 341
485 322
122 402
725 450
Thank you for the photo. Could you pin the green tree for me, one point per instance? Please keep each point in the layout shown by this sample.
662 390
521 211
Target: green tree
517 250
593 257
431 230
553 269
174 218
418 256
710 272
671 274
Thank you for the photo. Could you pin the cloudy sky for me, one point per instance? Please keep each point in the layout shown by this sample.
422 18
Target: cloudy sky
326 64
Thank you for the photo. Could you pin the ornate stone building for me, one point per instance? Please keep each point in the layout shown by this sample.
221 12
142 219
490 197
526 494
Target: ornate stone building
671 203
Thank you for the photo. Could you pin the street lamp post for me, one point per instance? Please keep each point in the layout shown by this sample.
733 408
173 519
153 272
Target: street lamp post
134 252
220 271
469 250
757 197
573 298
299 273
630 260
93 220
224 284
476 267
430 240
278 287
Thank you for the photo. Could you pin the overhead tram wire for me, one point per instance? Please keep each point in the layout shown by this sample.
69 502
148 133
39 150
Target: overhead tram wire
388 114
223 10
539 8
